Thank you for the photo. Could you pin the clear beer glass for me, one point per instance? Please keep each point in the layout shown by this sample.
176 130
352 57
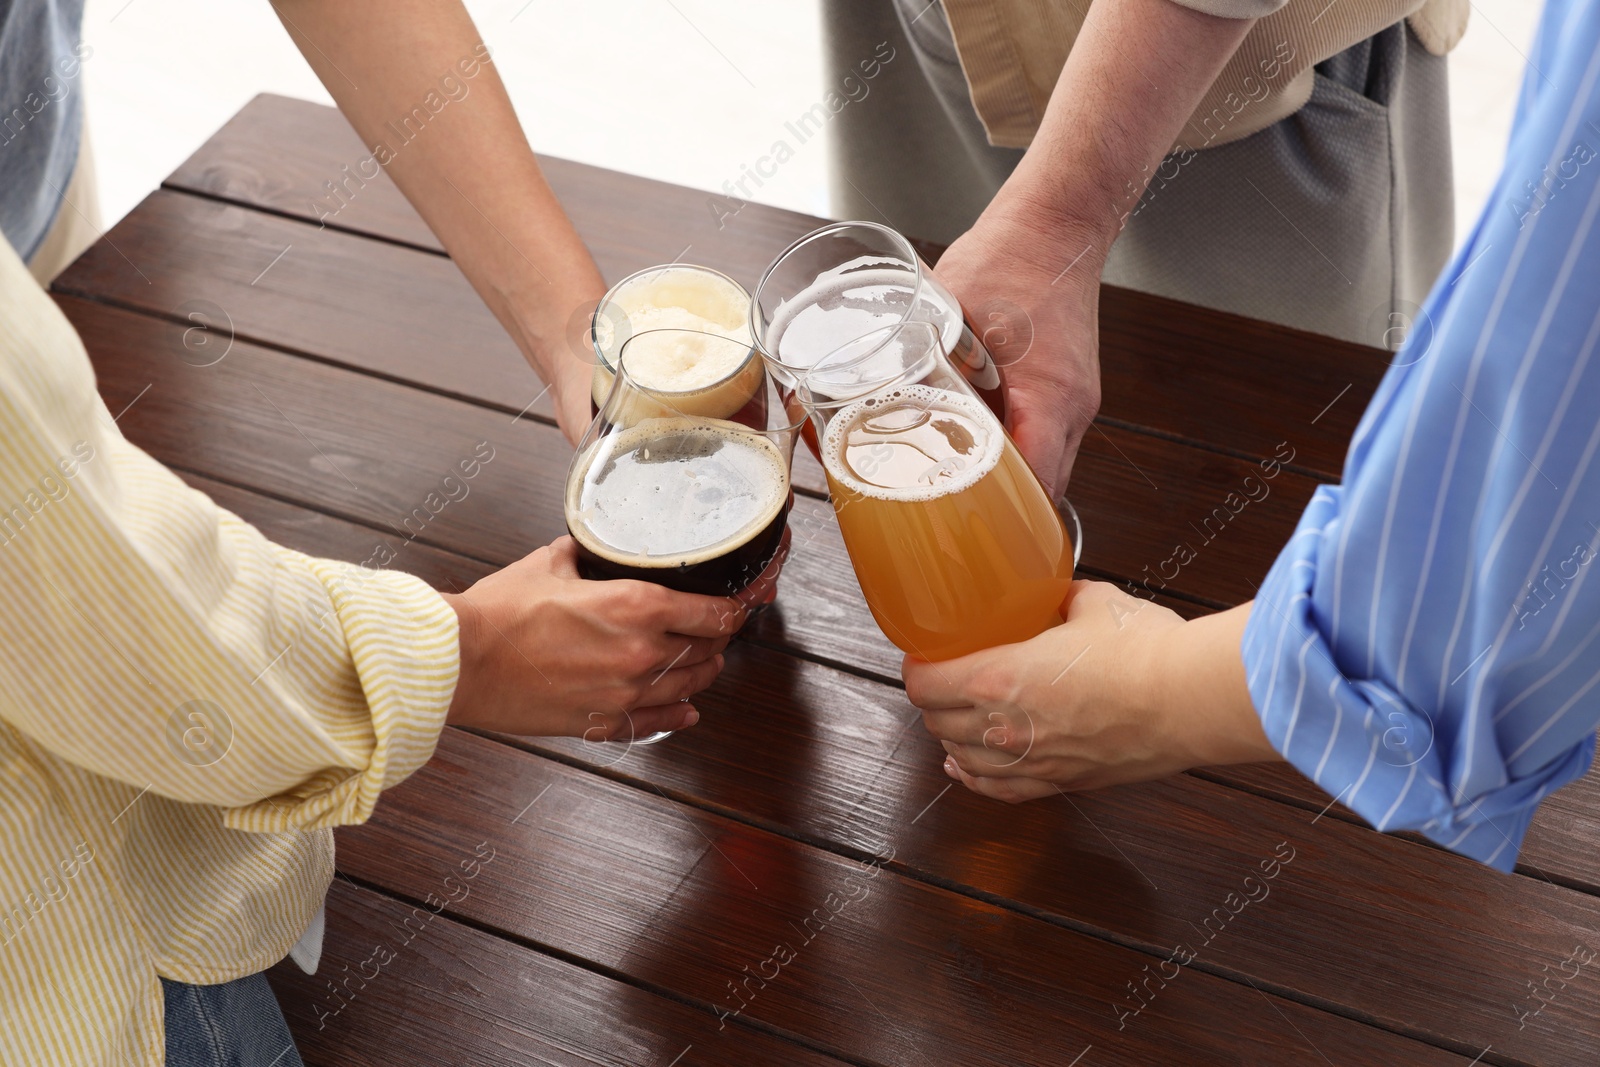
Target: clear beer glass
680 296
956 544
661 491
849 279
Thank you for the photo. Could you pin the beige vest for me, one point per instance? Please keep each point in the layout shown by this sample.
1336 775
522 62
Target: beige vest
1012 52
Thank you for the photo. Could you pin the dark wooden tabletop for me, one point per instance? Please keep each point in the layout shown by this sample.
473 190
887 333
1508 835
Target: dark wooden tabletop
794 881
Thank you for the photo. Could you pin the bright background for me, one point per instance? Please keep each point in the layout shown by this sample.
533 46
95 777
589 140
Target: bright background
687 91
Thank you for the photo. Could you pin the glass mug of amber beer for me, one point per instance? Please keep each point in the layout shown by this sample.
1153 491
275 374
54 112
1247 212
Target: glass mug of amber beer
849 279
957 545
666 487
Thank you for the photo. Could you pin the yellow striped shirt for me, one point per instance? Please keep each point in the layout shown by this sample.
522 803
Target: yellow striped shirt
186 709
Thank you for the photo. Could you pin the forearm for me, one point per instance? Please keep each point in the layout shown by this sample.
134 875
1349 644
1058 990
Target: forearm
463 162
1195 676
1133 78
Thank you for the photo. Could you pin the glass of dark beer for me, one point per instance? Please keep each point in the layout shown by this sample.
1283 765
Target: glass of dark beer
661 492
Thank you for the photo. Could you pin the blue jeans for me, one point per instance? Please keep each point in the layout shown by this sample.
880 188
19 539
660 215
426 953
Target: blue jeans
235 1024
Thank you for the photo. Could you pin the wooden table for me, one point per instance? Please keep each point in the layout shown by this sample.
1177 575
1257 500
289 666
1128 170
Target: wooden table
794 881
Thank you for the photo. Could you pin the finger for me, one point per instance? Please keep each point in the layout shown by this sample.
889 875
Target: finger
564 557
1069 456
574 419
679 715
694 615
980 761
940 686
1045 456
765 588
1010 790
964 726
680 683
675 650
1008 732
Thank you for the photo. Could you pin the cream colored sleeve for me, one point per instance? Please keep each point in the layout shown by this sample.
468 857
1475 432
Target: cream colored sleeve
1013 51
157 639
1270 76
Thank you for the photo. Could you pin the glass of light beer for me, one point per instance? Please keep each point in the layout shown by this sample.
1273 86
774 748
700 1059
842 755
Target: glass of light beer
956 544
712 379
851 279
660 491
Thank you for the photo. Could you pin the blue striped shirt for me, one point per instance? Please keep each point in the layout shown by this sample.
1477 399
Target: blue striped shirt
1427 646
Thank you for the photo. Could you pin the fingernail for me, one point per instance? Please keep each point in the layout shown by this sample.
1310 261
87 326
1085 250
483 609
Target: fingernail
950 767
690 719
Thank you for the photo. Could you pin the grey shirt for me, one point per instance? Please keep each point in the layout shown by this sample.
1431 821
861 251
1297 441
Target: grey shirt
41 113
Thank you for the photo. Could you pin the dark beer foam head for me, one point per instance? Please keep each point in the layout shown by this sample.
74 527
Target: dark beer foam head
675 492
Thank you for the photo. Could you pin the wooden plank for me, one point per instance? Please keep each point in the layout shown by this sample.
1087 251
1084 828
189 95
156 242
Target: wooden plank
176 408
1558 848
1174 368
247 419
398 983
386 309
856 959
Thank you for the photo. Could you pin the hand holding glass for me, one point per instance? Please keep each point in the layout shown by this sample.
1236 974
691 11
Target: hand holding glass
661 492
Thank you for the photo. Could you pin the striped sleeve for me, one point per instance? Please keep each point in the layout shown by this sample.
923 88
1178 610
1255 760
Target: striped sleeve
1427 647
156 639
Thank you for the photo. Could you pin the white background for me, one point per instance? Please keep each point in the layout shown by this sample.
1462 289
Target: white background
687 91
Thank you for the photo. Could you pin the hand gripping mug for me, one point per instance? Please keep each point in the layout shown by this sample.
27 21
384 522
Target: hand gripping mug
661 491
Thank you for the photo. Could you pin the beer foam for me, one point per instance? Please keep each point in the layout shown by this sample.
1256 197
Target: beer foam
682 362
674 492
679 298
928 398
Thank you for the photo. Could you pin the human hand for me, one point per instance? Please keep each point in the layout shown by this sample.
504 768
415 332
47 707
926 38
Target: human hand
1123 691
571 380
1032 292
546 653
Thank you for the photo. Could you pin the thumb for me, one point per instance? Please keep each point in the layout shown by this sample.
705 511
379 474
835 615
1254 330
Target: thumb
1066 459
564 557
1043 446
